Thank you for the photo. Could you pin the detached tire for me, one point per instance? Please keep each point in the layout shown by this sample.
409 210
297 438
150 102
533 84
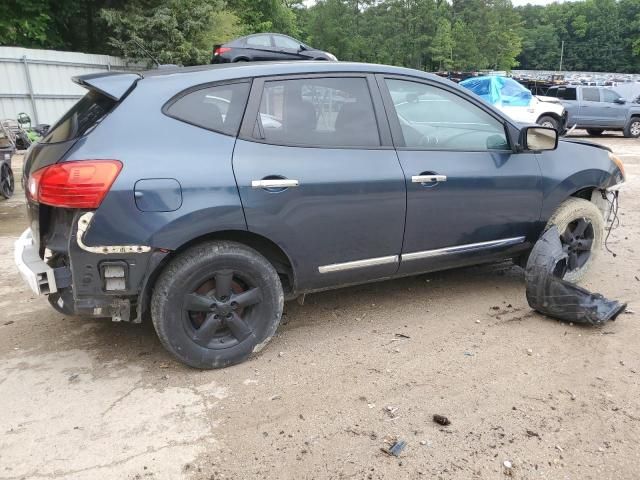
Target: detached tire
632 128
547 121
216 303
595 132
581 229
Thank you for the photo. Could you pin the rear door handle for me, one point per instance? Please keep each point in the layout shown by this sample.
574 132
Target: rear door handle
275 183
428 178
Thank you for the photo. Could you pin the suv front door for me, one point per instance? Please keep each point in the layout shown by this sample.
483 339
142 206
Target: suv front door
318 175
469 197
615 113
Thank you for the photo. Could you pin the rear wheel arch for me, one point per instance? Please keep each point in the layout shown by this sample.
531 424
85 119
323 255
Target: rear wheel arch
265 247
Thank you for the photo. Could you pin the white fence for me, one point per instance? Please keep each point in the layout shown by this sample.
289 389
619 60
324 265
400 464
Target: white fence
38 82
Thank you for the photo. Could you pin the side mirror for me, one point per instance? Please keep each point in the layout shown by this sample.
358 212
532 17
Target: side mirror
538 138
302 48
620 100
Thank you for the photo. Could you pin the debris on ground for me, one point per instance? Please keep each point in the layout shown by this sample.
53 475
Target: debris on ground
402 335
531 433
395 449
507 467
548 294
391 411
441 419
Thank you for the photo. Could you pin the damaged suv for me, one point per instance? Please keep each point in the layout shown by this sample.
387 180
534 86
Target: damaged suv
204 197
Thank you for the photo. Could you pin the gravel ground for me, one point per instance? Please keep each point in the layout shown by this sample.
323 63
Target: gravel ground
350 371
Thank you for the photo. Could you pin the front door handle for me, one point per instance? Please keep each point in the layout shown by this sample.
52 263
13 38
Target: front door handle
428 178
275 183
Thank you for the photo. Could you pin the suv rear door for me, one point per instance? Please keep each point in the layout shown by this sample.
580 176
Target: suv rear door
591 109
318 175
469 197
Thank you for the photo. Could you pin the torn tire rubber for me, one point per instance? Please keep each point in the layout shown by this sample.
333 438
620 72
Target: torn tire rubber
216 303
548 294
581 228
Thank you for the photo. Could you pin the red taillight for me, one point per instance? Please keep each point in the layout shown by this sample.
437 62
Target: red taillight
77 184
221 50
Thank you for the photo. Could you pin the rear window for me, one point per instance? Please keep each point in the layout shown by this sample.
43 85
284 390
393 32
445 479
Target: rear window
83 116
219 108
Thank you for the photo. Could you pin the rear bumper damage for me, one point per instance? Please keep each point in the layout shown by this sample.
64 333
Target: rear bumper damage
106 281
34 271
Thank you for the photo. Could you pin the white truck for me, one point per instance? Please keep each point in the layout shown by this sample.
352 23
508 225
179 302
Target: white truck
517 102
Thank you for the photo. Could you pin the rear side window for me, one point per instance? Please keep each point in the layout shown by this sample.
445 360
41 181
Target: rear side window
259 41
217 108
590 95
84 115
332 112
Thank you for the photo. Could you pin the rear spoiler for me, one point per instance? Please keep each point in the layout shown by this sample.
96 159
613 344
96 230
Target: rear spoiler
114 85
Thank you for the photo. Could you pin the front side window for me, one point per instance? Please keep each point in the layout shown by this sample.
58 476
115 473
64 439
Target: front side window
609 96
217 108
590 95
259 41
285 42
553 92
331 112
435 119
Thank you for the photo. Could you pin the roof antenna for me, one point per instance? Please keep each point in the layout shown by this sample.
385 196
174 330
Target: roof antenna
146 51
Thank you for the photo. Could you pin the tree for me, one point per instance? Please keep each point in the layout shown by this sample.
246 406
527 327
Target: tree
442 47
26 23
176 32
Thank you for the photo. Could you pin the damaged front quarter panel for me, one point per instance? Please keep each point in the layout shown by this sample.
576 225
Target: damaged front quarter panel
550 295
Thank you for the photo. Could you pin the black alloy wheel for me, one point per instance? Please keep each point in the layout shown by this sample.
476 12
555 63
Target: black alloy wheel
219 312
216 304
577 241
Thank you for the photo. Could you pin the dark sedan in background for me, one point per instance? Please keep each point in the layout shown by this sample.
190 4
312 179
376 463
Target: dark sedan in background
266 47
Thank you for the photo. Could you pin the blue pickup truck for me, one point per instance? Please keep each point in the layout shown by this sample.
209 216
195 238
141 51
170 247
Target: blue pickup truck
597 109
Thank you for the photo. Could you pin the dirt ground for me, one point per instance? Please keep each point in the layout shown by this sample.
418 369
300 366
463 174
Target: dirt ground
347 372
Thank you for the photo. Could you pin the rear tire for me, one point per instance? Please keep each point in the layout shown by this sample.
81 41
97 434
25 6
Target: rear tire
595 132
632 128
7 183
547 121
572 216
216 303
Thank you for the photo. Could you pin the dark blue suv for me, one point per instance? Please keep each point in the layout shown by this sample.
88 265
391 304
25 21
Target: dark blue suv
204 197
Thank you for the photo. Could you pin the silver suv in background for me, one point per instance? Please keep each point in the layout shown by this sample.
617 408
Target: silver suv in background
597 109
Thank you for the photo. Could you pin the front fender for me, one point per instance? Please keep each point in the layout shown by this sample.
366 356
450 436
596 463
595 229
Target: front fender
570 168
